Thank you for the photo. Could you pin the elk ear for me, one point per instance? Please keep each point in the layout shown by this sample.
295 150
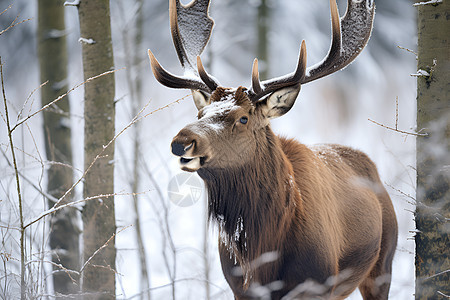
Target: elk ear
201 99
279 102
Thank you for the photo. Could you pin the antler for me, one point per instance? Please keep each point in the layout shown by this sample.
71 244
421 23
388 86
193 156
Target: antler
191 29
349 36
260 89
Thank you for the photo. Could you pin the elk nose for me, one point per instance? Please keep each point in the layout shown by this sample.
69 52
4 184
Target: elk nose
180 149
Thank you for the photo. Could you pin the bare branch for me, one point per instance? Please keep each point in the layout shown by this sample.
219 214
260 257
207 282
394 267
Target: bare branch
413 200
38 189
6 9
102 247
435 275
442 294
28 98
409 50
74 203
57 207
13 23
396 124
19 193
397 130
20 122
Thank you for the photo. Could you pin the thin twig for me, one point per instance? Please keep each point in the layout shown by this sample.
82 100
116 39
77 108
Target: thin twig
96 158
396 124
43 193
409 50
165 229
102 247
60 266
397 130
133 121
84 295
396 113
20 122
16 171
13 24
74 203
28 98
413 202
442 294
6 9
164 107
178 280
435 275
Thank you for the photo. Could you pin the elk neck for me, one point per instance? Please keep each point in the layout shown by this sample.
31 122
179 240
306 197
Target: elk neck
255 202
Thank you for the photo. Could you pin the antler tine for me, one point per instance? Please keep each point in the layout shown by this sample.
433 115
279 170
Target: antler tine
206 78
260 89
191 29
256 85
349 36
173 81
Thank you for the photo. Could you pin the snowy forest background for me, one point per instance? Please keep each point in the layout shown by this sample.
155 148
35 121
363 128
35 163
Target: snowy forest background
180 249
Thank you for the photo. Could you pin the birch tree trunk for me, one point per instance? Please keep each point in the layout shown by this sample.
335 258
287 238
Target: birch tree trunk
433 152
64 231
99 227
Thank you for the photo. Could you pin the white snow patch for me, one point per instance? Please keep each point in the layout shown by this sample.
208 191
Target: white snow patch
86 41
428 2
421 72
220 107
73 3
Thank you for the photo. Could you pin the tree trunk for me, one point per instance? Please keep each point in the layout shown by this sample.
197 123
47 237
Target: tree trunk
64 232
262 53
433 152
99 113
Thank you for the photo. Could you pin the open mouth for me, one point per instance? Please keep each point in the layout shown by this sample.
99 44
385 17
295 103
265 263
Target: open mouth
192 164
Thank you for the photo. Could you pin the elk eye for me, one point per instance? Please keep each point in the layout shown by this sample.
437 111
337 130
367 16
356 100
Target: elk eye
243 120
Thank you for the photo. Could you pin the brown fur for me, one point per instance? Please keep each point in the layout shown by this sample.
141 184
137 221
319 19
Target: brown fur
294 221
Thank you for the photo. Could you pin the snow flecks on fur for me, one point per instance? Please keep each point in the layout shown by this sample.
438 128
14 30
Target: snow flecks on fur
292 187
211 115
326 153
220 107
216 126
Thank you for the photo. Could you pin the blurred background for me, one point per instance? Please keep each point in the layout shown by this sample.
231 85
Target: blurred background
175 245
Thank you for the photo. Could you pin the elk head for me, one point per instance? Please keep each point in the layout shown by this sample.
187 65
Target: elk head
232 122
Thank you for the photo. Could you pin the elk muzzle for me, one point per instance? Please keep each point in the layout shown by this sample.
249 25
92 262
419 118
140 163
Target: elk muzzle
187 145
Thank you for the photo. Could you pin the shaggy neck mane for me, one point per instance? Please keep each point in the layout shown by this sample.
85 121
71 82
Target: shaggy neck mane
254 203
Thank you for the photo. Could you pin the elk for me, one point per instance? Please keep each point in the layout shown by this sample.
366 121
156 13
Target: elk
295 222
